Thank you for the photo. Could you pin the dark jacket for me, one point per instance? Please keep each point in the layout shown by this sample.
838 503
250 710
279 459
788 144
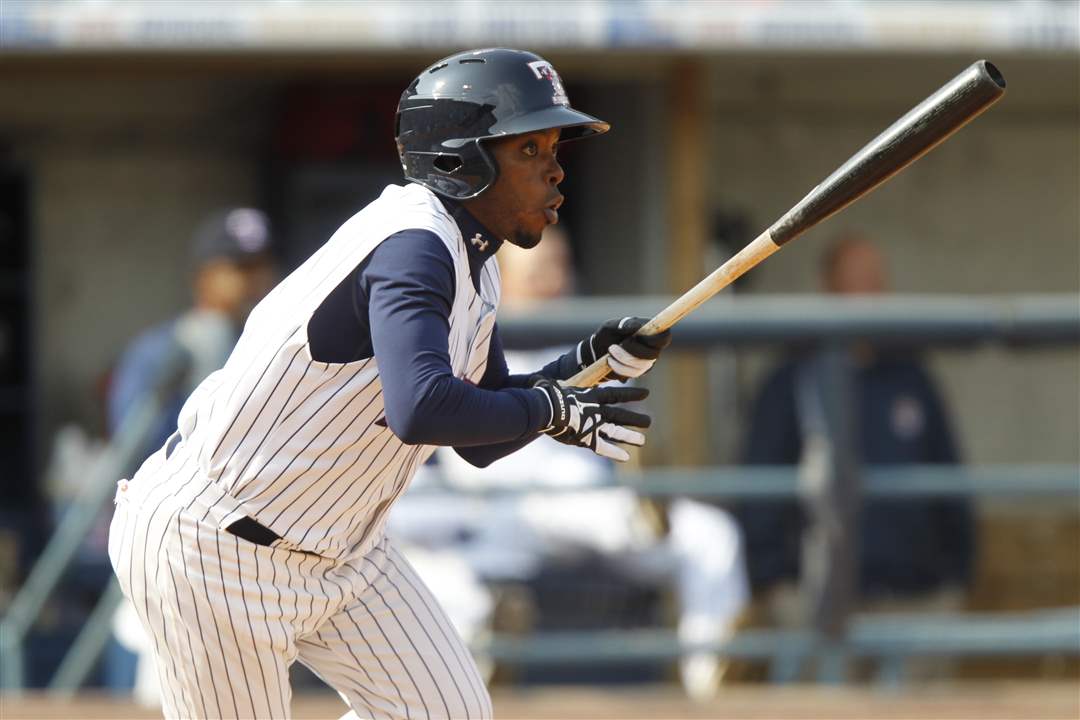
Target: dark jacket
907 546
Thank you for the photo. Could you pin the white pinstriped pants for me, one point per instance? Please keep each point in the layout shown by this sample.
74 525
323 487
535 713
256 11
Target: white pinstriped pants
228 617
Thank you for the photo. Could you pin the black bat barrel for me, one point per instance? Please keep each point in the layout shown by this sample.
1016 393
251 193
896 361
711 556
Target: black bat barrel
905 141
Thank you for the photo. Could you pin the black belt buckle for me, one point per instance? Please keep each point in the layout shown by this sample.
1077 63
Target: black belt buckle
252 531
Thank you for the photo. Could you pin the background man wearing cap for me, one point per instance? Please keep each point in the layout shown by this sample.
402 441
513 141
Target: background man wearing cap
232 270
256 535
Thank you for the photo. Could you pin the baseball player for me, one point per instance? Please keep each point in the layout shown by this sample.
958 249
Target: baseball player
254 536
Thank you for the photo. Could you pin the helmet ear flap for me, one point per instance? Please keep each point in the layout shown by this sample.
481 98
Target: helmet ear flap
460 176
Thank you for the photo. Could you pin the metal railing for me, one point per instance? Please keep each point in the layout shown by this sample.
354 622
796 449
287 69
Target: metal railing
893 638
948 321
737 320
725 482
127 447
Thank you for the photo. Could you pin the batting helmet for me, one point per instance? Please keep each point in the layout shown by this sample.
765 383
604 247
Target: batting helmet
453 106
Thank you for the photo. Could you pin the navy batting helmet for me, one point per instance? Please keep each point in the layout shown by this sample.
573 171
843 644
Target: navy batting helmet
453 106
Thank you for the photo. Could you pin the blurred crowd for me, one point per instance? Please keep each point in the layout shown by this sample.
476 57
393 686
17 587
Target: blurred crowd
548 538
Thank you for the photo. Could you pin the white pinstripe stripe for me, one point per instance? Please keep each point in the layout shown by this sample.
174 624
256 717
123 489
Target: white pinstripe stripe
446 630
405 630
188 673
418 624
227 679
232 634
379 508
337 673
283 649
277 418
162 642
251 631
349 505
371 437
389 676
254 500
169 613
237 385
191 683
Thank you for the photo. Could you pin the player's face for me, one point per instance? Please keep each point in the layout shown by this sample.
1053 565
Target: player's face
525 198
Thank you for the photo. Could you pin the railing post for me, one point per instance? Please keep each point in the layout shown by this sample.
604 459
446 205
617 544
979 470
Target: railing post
89 644
11 660
830 487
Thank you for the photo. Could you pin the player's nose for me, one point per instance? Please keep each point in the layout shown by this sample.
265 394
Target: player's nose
555 173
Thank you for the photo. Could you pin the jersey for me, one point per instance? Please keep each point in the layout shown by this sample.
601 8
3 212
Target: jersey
303 446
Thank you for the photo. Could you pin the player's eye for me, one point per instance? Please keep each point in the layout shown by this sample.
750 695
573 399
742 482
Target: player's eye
530 149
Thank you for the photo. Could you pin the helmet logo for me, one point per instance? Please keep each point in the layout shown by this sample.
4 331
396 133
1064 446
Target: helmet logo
543 71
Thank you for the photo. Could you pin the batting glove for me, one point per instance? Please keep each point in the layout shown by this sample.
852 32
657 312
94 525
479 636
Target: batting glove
629 355
590 417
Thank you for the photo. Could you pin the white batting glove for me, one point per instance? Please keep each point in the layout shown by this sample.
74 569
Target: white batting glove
591 418
629 355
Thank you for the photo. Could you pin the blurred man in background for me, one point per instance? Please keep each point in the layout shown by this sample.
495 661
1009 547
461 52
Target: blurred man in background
551 505
233 268
915 554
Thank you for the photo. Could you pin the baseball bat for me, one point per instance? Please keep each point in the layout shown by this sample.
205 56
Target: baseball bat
918 132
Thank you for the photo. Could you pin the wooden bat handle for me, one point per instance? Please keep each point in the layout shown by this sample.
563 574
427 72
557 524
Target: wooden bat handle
760 248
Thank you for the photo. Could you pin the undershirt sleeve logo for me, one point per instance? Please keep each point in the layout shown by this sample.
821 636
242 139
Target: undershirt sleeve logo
479 242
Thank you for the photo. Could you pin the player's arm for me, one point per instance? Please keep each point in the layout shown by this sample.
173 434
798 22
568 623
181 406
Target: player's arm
407 287
402 298
628 355
585 418
496 377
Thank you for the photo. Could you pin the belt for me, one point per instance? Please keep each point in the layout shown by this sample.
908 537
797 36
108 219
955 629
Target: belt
253 531
245 528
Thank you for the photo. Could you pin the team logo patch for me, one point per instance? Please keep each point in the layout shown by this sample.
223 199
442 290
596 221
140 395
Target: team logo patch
543 71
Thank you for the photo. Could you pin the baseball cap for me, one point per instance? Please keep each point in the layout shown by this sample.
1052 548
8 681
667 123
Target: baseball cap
235 234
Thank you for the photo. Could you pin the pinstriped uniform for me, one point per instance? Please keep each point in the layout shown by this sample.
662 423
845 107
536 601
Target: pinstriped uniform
301 447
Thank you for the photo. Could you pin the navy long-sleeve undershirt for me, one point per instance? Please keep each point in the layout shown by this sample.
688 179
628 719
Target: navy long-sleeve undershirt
396 306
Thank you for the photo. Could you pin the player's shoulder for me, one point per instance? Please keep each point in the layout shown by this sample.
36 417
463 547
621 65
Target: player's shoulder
412 203
398 208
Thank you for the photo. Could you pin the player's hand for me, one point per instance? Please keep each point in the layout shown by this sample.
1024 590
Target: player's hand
629 355
591 417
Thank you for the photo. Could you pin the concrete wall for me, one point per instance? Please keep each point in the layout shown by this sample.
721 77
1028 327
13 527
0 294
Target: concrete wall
996 209
121 169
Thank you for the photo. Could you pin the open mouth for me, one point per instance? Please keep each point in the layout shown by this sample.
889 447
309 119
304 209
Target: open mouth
551 210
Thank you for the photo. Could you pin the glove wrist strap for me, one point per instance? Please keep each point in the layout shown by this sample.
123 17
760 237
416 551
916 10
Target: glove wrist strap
559 412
